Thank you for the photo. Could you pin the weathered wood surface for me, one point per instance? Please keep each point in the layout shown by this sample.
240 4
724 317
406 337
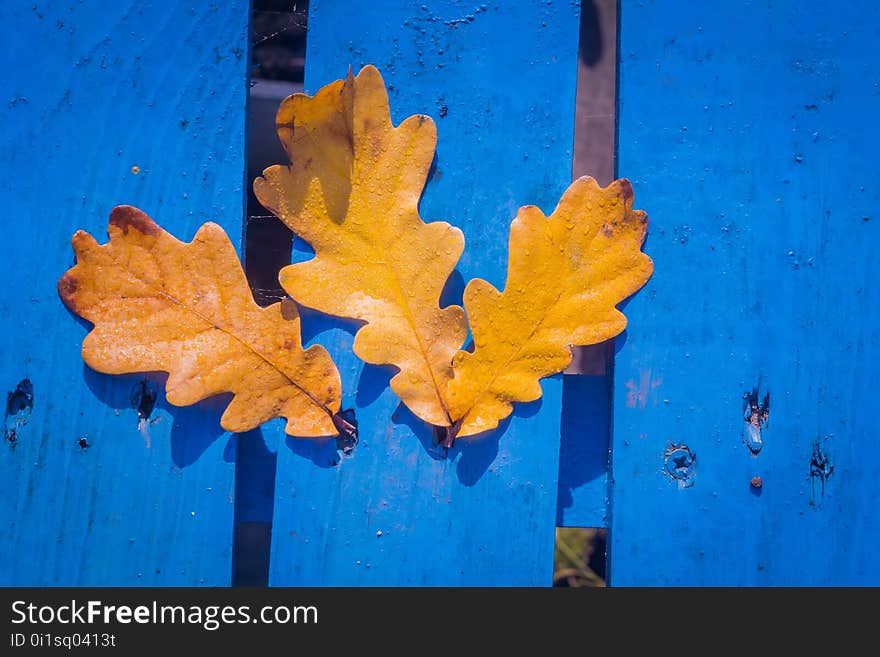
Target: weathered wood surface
749 132
397 511
586 388
103 103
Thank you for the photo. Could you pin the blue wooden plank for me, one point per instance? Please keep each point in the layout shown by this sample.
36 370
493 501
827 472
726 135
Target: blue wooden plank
583 452
749 133
396 512
91 90
586 394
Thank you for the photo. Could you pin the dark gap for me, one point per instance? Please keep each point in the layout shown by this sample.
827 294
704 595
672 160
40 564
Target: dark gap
278 37
609 568
595 127
278 47
278 41
251 549
579 559
594 130
587 396
254 507
621 339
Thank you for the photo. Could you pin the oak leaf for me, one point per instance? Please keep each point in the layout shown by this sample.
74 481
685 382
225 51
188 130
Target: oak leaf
158 304
566 273
352 192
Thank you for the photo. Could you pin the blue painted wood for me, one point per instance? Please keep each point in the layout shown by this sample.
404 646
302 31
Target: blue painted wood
397 512
586 394
749 131
90 90
584 451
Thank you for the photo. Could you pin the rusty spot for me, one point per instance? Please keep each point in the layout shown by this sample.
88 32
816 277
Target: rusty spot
680 464
756 414
821 470
19 405
126 216
626 191
756 482
67 286
288 310
135 169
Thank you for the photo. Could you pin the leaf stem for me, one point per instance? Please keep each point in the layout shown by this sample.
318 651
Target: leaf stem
348 432
447 435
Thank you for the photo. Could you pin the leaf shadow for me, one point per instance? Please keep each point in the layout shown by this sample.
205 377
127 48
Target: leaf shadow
620 341
335 188
86 324
193 428
621 338
585 435
255 477
472 454
453 290
314 323
322 452
423 431
372 382
434 174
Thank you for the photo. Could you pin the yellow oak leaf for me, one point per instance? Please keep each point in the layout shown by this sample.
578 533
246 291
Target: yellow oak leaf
566 274
352 192
158 304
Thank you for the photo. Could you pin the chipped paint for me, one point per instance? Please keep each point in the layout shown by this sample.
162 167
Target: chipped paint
756 416
19 405
680 464
821 470
638 394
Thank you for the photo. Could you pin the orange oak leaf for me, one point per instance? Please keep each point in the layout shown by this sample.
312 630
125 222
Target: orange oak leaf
566 274
158 304
352 192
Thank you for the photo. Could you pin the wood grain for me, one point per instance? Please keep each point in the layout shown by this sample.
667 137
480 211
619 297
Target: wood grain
103 104
399 511
748 131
